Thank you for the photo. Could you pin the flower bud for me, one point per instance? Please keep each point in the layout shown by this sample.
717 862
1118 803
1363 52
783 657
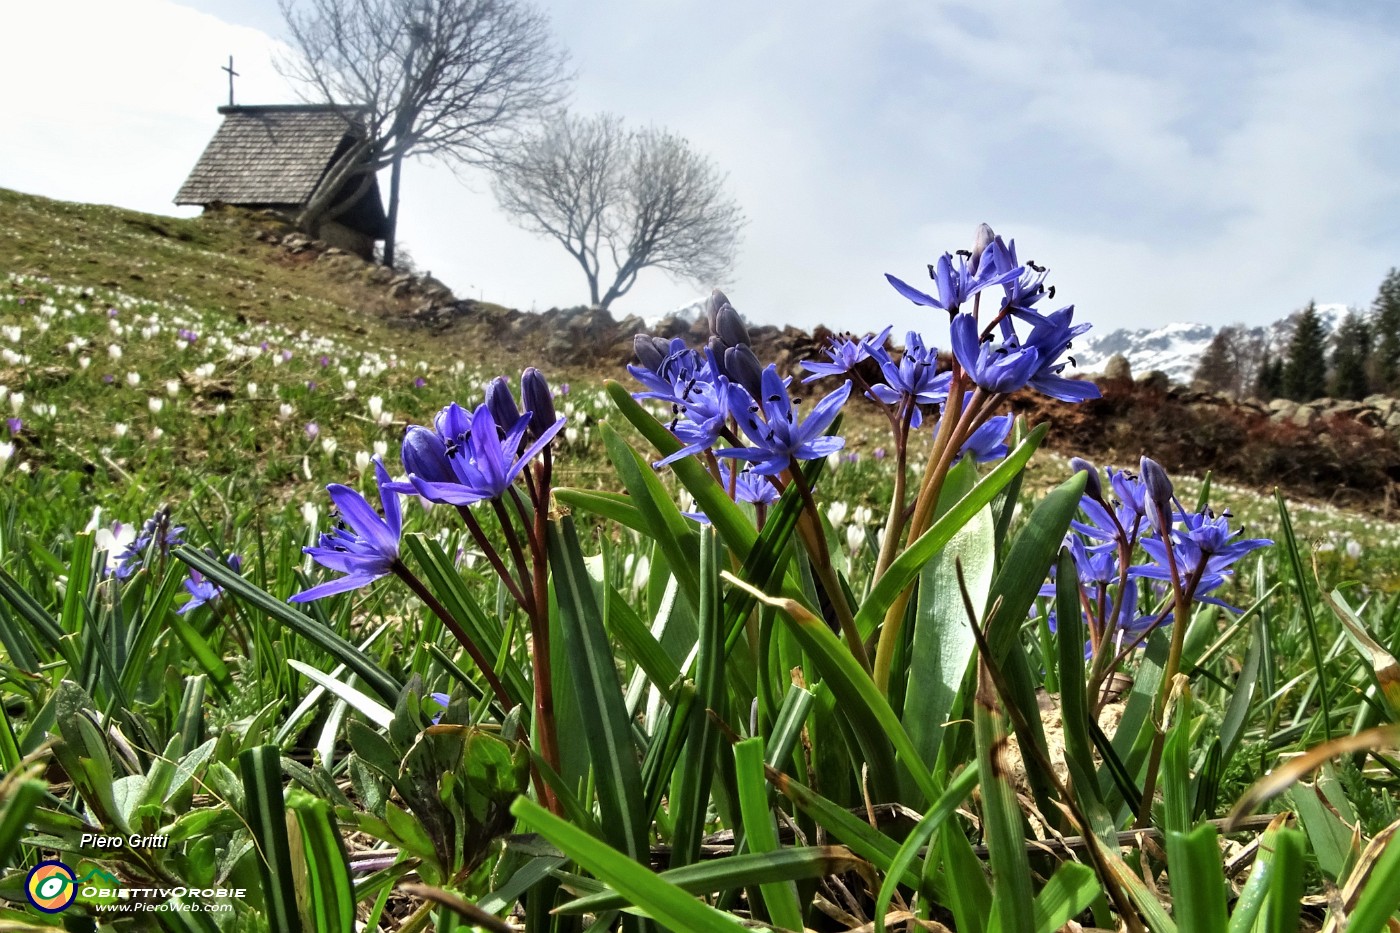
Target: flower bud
716 301
501 403
743 367
648 353
730 328
534 392
1094 487
425 456
1159 495
982 239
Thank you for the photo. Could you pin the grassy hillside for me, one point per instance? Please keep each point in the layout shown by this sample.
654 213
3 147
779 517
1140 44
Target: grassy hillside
213 263
272 399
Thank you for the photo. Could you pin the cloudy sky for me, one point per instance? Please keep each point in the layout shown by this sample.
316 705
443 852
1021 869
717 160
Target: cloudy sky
1185 160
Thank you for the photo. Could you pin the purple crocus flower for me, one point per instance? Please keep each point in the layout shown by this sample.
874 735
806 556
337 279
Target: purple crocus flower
365 551
14 424
778 435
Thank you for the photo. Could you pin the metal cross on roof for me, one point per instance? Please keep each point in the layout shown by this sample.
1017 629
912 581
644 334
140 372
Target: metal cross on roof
231 75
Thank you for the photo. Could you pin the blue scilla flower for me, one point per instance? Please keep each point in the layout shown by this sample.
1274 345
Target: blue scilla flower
202 590
1129 504
996 366
701 412
958 278
1203 546
1051 338
441 700
748 487
1009 365
482 458
845 352
778 434
915 377
365 546
664 365
988 442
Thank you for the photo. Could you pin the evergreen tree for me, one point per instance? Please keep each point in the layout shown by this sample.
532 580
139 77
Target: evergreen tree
1305 371
1268 383
1386 333
1351 350
1218 370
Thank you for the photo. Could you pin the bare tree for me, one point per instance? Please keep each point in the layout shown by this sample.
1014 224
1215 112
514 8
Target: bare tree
621 201
452 79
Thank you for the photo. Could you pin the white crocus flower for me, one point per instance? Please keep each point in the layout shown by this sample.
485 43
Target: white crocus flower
155 404
836 513
362 460
133 379
114 541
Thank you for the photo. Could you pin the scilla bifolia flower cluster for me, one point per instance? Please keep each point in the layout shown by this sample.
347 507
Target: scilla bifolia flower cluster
727 405
1188 555
468 459
723 395
1182 558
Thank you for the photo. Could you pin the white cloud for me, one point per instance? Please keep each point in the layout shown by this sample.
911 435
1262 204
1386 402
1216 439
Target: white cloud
113 102
1165 173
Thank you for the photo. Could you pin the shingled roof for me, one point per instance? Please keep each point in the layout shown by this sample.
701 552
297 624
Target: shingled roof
269 155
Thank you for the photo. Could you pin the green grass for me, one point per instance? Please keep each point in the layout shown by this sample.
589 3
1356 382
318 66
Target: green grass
207 725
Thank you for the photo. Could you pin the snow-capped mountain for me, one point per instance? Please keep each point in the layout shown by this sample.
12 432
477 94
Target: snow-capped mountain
1175 349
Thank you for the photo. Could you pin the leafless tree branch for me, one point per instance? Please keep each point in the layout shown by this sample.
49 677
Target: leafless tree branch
643 199
459 80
